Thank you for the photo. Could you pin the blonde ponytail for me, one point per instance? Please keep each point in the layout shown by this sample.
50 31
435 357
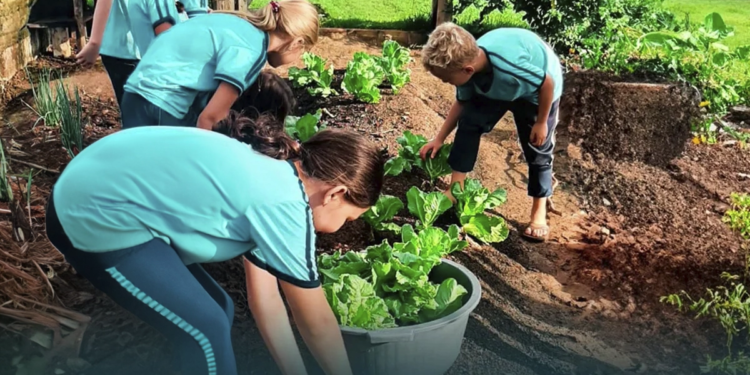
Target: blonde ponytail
296 18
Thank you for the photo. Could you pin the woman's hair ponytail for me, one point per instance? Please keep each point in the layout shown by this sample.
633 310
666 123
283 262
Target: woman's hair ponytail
296 18
265 134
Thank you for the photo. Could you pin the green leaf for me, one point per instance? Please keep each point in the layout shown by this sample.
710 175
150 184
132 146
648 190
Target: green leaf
396 166
487 229
384 210
658 39
742 53
438 166
714 22
380 252
447 300
427 207
720 59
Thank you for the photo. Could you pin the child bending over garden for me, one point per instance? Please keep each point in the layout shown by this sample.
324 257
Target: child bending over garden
190 197
122 32
193 74
507 69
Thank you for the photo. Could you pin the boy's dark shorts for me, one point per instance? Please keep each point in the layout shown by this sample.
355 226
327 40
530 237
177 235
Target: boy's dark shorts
480 115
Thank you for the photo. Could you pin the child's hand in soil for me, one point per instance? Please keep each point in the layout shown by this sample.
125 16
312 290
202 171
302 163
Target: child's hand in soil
432 148
538 134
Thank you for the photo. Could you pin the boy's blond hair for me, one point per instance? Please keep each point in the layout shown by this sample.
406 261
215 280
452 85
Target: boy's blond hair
450 47
296 18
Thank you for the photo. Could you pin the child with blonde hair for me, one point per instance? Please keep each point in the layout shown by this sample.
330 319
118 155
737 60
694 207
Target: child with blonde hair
507 69
193 74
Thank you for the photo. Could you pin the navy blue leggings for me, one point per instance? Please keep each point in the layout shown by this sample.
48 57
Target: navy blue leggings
183 302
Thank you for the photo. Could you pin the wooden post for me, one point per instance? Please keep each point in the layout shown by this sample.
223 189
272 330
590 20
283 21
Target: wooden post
442 11
81 26
243 4
224 5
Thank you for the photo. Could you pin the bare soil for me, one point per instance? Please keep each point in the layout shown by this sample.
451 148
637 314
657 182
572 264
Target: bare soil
585 302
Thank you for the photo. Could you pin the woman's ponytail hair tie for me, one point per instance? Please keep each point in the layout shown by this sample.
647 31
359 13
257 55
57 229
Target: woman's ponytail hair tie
275 6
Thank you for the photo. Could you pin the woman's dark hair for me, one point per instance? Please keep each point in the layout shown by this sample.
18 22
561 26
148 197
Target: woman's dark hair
336 157
269 94
180 6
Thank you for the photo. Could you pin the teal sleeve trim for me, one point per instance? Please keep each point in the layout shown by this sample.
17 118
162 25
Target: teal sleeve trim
202 340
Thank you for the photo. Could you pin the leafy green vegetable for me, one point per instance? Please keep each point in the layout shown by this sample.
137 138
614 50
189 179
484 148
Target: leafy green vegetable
363 76
303 128
384 286
472 200
427 207
394 61
315 74
489 229
408 156
384 210
355 304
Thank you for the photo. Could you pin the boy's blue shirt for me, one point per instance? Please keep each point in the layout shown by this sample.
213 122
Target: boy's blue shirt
145 16
195 7
520 62
117 40
185 64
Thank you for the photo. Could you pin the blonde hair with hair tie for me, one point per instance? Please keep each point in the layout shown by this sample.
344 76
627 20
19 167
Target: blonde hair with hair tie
296 18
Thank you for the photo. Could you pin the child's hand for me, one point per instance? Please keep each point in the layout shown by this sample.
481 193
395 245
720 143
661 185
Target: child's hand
88 54
432 147
538 134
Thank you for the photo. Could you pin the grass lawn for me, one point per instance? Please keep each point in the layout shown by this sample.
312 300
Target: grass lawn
377 14
736 13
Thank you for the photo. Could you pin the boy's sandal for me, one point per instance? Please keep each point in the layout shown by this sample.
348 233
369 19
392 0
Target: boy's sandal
528 233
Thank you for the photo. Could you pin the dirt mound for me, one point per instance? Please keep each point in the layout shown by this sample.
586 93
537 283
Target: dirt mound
627 121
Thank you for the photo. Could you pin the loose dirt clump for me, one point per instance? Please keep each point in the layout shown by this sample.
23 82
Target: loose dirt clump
627 121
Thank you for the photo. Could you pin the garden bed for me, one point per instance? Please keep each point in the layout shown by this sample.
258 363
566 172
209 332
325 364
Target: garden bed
583 303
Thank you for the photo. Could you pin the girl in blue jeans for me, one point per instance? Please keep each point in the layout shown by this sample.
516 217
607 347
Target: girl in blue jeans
138 225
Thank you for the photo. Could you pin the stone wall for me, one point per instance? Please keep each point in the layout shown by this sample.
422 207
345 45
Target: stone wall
15 44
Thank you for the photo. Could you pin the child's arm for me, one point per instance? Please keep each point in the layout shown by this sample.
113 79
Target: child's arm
318 327
546 95
272 320
219 105
90 51
451 121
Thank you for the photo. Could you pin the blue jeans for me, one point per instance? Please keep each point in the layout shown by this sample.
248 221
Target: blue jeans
150 280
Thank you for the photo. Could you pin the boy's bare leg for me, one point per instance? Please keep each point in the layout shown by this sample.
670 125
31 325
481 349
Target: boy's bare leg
538 227
455 177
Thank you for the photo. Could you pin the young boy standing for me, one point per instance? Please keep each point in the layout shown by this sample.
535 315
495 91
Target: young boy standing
507 69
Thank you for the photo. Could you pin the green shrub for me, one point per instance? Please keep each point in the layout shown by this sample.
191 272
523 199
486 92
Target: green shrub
481 16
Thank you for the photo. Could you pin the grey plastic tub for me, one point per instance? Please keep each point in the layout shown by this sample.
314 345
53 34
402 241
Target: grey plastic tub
424 349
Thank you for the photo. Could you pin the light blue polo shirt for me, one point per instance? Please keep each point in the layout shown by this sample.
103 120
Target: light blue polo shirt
211 197
117 40
146 15
520 61
193 57
195 7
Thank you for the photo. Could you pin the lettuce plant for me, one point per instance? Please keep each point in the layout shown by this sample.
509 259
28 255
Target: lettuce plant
302 128
384 210
315 75
472 201
408 156
363 76
394 61
427 207
385 287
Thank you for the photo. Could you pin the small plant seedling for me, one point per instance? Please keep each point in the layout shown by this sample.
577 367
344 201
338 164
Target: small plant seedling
315 76
384 210
303 128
